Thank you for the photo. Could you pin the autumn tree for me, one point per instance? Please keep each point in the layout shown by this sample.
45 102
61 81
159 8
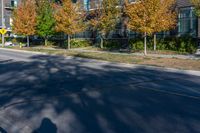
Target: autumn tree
105 18
69 18
150 16
24 19
45 19
197 6
165 17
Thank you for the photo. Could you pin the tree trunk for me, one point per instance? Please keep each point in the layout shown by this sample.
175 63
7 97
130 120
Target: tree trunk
145 43
3 41
101 45
28 41
68 42
154 42
45 41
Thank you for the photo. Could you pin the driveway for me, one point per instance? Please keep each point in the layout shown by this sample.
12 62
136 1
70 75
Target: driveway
53 94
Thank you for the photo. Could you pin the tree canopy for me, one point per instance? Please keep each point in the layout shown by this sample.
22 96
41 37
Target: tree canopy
24 18
197 6
69 18
45 19
150 16
105 17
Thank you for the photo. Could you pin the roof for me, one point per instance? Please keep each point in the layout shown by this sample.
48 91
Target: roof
183 3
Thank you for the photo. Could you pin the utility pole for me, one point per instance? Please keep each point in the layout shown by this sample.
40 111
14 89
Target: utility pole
3 22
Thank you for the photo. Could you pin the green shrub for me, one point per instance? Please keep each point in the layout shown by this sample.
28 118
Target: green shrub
112 44
138 44
161 46
181 47
50 43
14 40
37 43
79 43
21 39
170 45
185 44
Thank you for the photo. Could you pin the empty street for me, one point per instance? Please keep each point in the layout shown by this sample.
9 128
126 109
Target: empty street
53 94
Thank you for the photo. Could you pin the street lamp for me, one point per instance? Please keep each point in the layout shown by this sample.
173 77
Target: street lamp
3 22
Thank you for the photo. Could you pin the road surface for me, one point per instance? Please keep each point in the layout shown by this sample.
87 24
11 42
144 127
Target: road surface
52 94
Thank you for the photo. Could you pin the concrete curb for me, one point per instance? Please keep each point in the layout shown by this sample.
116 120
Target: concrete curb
24 51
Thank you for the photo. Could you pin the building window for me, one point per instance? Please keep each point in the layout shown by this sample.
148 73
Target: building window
187 22
86 4
14 3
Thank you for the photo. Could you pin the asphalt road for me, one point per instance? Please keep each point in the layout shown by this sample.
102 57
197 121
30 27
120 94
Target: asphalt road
53 94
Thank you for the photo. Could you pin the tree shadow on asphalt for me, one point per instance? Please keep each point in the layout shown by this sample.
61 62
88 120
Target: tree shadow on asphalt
98 98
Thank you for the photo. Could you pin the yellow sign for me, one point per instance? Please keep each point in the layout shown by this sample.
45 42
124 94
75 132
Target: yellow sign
3 31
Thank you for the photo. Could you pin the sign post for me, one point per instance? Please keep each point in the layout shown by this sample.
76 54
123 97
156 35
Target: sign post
3 21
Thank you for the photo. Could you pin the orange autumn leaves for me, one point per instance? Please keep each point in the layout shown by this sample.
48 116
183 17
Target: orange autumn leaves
148 16
69 18
151 16
106 16
24 18
196 3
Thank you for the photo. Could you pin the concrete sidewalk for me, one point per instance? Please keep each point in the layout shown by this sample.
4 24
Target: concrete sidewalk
193 57
178 56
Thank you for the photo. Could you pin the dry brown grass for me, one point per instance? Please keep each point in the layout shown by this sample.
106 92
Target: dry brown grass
186 64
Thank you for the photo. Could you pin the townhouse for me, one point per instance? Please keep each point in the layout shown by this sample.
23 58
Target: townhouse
8 8
188 23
